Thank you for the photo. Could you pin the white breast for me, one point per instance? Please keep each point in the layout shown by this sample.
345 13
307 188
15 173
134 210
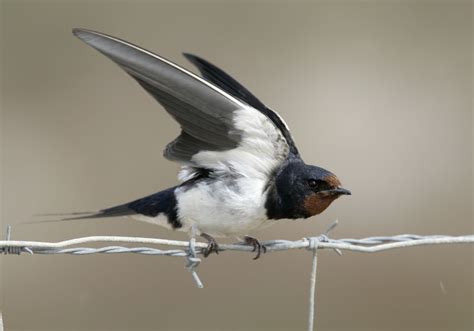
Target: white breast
224 207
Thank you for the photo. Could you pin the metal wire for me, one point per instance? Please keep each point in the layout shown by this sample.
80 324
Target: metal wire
191 249
366 245
313 245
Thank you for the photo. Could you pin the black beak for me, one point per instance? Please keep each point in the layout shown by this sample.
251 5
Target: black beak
336 191
341 191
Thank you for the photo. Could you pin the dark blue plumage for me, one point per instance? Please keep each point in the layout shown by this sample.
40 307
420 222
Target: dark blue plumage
161 202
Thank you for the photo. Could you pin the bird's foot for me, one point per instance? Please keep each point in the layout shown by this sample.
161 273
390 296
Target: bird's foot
257 246
212 246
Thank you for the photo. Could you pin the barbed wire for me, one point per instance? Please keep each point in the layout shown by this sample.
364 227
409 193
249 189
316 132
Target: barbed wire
366 245
192 249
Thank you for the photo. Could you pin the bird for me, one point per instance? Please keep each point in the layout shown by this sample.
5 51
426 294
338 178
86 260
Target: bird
240 167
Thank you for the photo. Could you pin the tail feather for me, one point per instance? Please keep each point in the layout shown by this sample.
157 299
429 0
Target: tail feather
117 211
66 214
163 202
121 210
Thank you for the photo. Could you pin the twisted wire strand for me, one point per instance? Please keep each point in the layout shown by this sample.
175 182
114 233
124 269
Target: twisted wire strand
366 245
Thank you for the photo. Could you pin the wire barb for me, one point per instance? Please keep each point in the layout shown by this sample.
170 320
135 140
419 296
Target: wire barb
10 249
193 262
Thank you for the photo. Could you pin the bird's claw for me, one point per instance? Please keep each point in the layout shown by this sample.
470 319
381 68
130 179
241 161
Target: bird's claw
212 245
257 246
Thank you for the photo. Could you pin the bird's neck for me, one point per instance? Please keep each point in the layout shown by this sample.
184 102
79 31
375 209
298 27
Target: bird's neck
280 206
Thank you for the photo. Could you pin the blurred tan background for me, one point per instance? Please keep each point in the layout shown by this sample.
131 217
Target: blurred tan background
378 92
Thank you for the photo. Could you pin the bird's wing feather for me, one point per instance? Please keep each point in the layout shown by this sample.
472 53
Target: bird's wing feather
219 131
220 78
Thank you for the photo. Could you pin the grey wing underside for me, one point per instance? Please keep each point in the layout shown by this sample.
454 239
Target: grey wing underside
204 111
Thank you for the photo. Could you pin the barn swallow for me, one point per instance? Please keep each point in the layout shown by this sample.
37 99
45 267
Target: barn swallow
241 169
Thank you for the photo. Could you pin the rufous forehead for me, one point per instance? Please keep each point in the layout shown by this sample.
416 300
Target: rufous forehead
332 180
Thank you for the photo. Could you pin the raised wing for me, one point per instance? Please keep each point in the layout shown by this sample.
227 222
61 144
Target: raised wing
220 78
219 131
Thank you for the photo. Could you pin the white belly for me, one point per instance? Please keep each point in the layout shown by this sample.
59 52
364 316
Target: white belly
223 209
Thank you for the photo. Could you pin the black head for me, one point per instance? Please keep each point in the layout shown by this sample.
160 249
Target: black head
302 190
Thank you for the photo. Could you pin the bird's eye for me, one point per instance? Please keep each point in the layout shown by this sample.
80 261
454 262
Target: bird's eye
318 185
313 183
